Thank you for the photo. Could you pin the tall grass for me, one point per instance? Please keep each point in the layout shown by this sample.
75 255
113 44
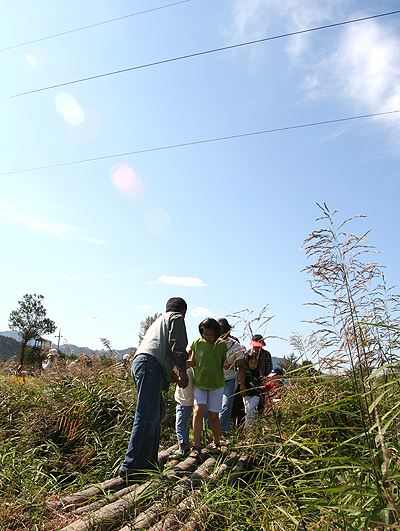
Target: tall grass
328 454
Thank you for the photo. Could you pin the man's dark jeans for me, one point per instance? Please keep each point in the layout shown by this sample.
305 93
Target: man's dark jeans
143 446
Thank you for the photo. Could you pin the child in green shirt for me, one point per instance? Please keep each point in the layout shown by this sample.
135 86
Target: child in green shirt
208 355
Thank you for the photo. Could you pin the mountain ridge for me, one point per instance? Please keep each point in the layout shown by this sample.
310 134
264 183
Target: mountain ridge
13 334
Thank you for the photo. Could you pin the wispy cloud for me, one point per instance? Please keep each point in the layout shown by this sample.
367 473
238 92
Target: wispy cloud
201 312
182 281
35 222
70 278
255 19
357 65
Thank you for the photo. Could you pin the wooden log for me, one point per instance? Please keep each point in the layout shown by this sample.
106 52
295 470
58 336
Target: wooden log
113 514
176 520
147 517
82 497
224 468
127 500
198 476
239 469
100 490
164 455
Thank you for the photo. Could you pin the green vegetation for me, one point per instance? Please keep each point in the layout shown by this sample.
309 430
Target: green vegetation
9 348
145 325
30 320
324 457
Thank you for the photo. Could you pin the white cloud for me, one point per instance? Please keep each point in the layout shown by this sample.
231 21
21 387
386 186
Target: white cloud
182 281
69 278
61 302
367 66
201 312
35 222
145 307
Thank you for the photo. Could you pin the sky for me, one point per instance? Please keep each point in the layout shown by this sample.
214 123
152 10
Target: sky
219 223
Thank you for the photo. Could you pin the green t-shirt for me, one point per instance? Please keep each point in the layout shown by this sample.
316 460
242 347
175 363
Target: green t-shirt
209 373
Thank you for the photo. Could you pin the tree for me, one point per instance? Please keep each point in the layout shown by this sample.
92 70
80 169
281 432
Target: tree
30 320
290 363
145 325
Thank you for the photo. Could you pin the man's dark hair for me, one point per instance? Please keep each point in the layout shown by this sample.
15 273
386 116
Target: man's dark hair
176 304
210 324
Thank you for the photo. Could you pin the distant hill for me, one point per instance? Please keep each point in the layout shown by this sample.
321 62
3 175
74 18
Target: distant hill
16 336
13 334
88 351
276 362
9 348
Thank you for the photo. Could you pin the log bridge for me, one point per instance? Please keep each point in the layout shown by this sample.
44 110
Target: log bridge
167 501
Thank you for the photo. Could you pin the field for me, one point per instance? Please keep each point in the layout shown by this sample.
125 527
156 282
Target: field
324 457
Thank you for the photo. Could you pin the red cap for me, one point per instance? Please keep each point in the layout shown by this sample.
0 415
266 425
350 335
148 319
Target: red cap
257 343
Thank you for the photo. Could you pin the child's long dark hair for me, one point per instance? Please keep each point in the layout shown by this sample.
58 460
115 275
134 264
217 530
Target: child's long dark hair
226 329
210 324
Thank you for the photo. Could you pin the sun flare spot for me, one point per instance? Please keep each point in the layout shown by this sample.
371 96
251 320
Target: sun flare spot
69 109
123 177
125 180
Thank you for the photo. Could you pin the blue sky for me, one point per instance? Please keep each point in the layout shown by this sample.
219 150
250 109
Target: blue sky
221 224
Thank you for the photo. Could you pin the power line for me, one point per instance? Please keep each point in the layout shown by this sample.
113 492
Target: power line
206 141
197 54
93 25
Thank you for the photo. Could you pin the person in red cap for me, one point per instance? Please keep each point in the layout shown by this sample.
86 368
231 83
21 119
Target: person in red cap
262 356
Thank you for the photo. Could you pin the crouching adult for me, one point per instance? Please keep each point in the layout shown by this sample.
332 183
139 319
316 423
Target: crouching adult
163 347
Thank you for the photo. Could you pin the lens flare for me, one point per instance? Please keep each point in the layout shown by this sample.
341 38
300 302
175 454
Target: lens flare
125 180
123 177
31 60
69 109
157 220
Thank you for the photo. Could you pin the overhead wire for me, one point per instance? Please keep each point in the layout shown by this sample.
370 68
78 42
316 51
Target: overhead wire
198 54
204 141
93 25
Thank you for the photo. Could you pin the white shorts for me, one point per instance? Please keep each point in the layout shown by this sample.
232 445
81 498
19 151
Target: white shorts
211 398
